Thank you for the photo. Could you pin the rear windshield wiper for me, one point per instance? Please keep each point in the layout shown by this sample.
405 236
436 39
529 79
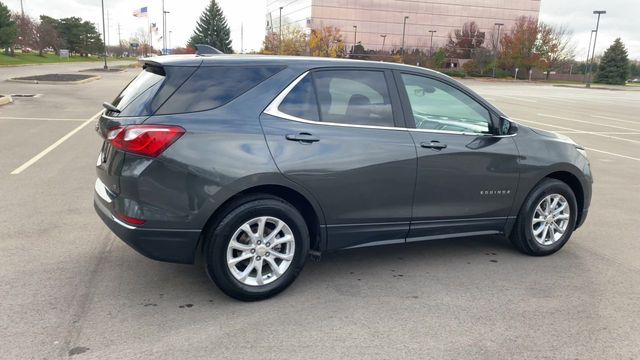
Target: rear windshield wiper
110 107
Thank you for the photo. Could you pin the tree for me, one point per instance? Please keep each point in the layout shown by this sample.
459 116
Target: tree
27 36
8 29
79 36
326 42
518 45
439 59
212 29
614 65
554 46
270 43
294 41
48 36
482 58
634 68
466 39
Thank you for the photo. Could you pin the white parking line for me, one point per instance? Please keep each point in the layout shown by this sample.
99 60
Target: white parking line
588 122
615 119
578 131
40 119
516 98
614 154
599 132
585 132
44 152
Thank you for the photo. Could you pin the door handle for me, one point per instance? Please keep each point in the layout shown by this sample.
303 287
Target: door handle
434 144
302 137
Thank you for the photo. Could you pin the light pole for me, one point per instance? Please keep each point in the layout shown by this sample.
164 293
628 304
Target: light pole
280 32
431 45
384 38
164 38
586 62
104 37
164 29
404 25
355 38
595 38
495 56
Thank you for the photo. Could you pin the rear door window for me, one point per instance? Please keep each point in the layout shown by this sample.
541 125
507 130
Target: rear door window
213 86
301 101
358 97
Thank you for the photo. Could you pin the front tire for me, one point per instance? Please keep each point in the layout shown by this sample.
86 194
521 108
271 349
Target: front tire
546 220
258 249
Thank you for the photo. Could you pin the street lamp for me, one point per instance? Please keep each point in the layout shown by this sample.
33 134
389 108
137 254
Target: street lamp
104 37
164 38
280 32
355 38
384 38
595 38
495 56
431 45
586 62
404 25
164 29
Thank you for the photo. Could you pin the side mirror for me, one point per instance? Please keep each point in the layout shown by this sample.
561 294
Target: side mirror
506 127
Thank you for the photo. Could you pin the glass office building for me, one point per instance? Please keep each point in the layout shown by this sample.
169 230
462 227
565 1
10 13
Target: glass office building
374 22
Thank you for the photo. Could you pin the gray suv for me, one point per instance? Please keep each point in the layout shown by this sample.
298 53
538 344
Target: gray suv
257 162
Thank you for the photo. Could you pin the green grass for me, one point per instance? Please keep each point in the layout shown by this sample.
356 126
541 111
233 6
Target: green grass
22 59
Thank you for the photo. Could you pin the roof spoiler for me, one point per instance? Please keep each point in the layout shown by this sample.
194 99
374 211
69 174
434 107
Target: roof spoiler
203 49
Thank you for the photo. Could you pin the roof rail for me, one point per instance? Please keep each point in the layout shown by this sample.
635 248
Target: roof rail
203 49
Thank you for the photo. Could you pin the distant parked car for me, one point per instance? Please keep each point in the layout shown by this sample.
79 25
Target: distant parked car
634 81
255 162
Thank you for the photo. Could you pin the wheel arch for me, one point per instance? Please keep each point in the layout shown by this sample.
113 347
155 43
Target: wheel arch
298 198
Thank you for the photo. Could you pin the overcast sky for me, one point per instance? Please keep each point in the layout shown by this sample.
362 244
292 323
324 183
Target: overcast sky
621 20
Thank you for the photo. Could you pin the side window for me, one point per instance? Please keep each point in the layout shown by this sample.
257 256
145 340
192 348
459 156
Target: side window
359 97
438 106
301 101
213 86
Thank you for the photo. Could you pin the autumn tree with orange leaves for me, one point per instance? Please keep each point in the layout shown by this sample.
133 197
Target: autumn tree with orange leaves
326 42
519 44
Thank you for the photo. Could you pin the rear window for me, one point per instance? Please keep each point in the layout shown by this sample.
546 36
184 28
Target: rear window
214 86
134 99
150 89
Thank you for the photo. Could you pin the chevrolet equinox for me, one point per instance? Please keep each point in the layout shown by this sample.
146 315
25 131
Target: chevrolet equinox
257 162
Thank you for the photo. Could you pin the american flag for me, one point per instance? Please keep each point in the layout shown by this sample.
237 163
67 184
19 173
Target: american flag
142 12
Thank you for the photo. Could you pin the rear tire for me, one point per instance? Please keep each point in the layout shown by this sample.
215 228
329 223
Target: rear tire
546 220
245 256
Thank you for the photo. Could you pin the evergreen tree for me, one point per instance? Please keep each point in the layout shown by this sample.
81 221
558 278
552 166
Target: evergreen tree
212 29
8 29
614 65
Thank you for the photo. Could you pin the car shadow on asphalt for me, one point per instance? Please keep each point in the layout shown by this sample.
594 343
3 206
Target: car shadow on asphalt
343 268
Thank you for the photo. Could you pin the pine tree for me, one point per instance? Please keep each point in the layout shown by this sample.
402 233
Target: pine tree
614 65
212 29
8 28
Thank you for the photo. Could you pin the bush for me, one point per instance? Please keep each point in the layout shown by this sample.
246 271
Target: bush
454 72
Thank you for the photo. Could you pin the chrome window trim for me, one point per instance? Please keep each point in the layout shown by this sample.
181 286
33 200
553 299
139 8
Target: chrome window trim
273 110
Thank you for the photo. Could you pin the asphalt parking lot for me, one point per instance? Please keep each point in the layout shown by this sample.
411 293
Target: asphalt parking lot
69 288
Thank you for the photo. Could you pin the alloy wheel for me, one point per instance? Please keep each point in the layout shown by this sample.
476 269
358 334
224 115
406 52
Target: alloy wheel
550 219
260 251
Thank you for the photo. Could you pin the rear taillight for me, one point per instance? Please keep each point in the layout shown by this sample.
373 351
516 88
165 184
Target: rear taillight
146 140
128 219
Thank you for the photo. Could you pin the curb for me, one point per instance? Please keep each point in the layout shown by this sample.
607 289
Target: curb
75 82
5 99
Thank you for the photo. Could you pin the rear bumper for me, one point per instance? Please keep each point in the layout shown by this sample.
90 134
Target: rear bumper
170 245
